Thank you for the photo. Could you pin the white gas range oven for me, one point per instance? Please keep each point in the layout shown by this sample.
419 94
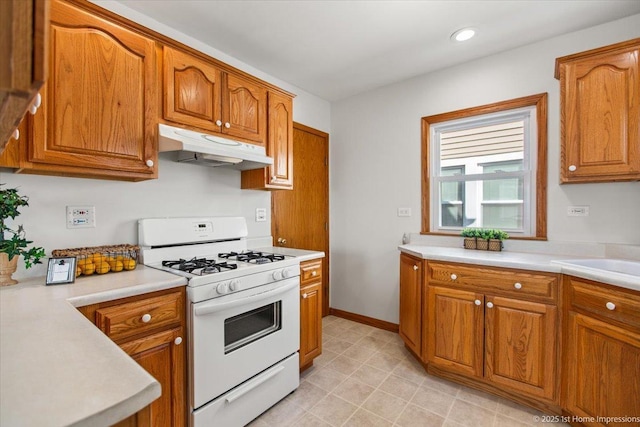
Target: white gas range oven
243 315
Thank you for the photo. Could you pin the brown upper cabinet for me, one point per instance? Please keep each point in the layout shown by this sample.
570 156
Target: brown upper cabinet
279 147
23 30
199 94
99 105
600 114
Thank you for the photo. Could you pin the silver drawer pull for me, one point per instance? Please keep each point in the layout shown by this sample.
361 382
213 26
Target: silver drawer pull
454 277
477 302
146 318
304 296
489 305
178 341
518 285
611 306
314 273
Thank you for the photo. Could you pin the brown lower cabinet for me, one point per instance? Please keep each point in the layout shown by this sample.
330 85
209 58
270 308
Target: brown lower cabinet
602 364
151 329
310 312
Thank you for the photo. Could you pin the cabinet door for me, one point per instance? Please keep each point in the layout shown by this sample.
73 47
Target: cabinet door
520 345
310 323
411 302
280 145
601 116
456 330
192 91
602 370
100 103
244 109
163 356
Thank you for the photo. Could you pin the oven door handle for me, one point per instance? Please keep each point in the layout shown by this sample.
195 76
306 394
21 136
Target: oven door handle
215 306
246 388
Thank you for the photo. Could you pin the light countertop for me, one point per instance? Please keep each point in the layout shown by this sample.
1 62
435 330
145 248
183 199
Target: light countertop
301 254
56 367
521 260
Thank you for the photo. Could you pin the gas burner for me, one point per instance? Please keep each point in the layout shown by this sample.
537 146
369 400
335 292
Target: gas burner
252 257
199 266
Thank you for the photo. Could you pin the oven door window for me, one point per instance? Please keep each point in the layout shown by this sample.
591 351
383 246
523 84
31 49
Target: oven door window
251 326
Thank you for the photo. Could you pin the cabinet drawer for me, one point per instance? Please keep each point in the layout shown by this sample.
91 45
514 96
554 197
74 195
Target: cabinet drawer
503 281
129 319
608 303
310 271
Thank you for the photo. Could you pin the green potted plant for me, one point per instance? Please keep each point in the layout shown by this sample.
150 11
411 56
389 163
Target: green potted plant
469 235
482 240
495 239
14 243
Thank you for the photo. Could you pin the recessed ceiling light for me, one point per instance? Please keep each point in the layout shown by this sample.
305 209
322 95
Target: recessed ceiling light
463 34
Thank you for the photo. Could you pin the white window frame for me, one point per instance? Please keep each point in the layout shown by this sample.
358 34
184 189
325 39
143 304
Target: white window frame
528 115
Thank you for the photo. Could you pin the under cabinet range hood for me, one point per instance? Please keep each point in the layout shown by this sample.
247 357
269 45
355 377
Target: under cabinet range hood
211 150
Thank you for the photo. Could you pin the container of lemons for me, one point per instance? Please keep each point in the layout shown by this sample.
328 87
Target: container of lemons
102 259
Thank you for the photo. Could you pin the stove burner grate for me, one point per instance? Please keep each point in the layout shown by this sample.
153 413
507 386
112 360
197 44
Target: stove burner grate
253 257
206 266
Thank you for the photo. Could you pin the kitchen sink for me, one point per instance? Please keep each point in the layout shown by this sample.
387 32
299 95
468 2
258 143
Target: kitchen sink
604 265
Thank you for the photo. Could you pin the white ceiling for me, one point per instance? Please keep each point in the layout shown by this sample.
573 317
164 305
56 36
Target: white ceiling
336 49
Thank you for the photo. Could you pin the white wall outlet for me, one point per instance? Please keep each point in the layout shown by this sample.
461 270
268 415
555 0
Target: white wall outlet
81 217
404 211
261 214
578 211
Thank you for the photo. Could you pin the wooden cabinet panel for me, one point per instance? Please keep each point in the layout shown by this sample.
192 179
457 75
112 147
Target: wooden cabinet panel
23 69
600 114
410 327
159 346
611 304
129 319
244 109
164 358
532 285
310 271
310 323
456 330
100 102
192 90
521 345
279 147
602 370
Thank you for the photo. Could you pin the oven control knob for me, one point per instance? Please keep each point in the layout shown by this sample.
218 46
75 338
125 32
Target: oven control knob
233 285
277 275
286 273
222 288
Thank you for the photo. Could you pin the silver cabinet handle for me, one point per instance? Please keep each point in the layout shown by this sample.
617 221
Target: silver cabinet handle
304 296
454 277
146 318
16 134
149 163
415 267
489 305
572 168
314 273
178 341
273 178
477 302
610 306
227 125
218 122
517 285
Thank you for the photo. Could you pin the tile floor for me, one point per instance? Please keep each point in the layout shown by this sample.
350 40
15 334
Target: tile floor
365 377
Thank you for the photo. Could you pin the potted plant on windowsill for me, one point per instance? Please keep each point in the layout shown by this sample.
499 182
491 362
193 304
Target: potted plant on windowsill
495 239
482 241
470 235
13 243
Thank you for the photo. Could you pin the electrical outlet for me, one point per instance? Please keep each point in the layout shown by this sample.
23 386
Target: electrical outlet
81 217
578 211
261 214
404 211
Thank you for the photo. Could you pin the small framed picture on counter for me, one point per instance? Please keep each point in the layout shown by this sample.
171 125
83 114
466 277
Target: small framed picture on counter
61 270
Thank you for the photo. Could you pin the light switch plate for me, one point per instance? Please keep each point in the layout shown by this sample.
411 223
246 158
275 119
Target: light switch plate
578 211
261 214
404 211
